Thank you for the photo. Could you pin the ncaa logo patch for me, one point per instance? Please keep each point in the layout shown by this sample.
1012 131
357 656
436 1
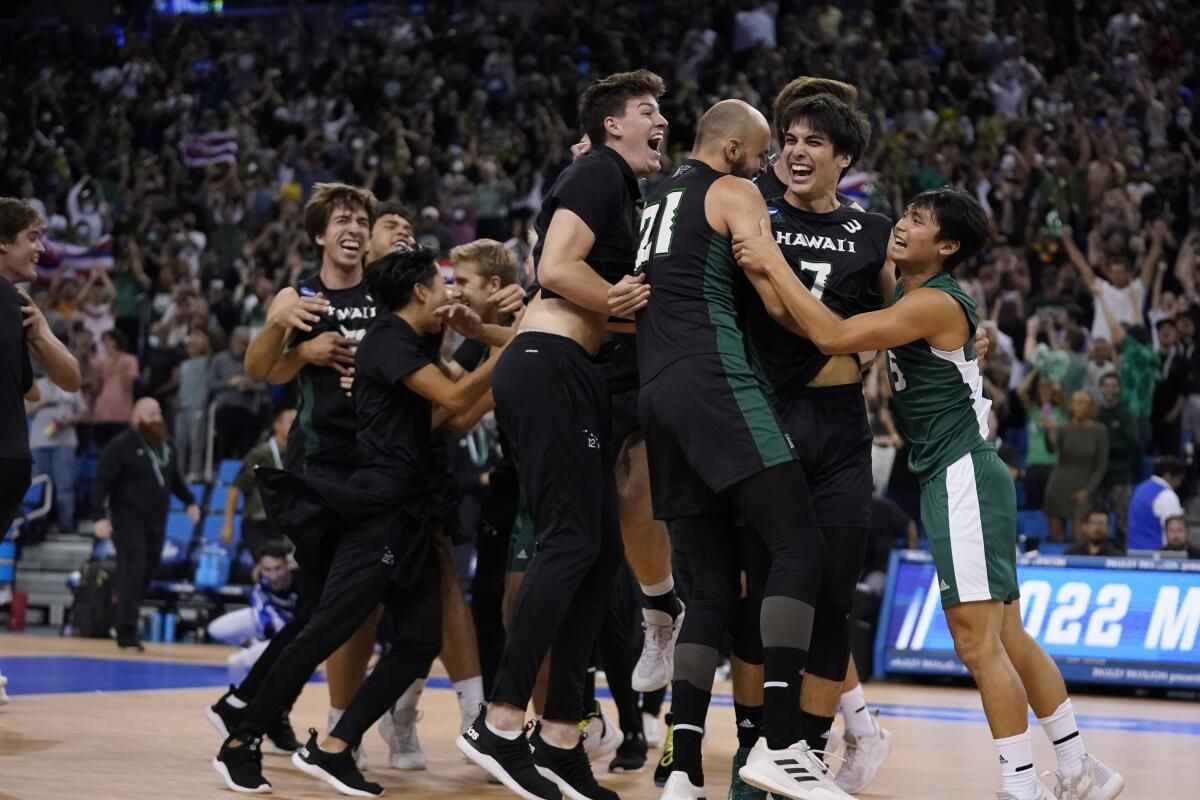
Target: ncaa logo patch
772 210
307 292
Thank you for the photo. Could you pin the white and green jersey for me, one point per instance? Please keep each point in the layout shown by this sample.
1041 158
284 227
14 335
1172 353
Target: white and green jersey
937 395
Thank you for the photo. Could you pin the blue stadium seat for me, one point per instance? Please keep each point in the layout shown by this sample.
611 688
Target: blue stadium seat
1053 548
1033 523
35 495
211 530
1021 497
216 501
199 490
178 542
227 471
8 561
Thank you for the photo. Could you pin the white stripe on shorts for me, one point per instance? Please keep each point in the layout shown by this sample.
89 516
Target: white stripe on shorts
966 532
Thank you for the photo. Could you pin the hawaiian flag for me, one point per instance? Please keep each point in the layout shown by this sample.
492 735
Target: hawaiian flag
209 149
858 187
64 258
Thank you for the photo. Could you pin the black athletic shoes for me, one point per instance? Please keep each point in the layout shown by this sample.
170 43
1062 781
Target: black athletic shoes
510 761
224 717
282 736
241 766
570 769
631 755
336 769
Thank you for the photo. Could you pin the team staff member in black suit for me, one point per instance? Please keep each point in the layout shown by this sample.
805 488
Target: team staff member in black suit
385 512
137 474
554 403
24 333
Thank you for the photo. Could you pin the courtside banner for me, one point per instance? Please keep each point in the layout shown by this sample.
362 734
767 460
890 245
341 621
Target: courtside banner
1104 620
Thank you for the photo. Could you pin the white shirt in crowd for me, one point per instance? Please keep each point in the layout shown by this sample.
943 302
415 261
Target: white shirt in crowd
1122 303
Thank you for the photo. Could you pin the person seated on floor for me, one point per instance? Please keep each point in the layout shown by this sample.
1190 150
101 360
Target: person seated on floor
272 601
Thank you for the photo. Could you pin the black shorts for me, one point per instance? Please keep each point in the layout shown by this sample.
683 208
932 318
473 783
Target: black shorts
708 425
554 404
625 419
618 363
833 441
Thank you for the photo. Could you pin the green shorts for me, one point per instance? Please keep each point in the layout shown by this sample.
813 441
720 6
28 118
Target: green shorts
522 543
969 511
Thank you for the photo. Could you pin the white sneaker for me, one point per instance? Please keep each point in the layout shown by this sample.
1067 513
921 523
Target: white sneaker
398 727
1042 794
795 772
653 728
836 743
657 662
864 756
599 738
3 693
680 787
360 752
1096 782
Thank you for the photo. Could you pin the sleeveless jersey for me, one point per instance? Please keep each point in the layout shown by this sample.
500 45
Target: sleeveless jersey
838 256
697 286
937 396
325 426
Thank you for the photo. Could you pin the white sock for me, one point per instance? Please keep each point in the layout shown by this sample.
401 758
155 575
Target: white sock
510 735
235 701
470 697
1064 734
658 589
335 715
1016 766
856 714
411 697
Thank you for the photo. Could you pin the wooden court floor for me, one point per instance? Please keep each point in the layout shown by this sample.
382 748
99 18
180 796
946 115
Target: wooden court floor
157 743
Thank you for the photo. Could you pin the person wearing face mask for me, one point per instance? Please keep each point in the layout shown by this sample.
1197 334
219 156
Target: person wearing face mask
137 474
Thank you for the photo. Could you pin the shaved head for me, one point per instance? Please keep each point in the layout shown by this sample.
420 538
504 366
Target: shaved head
146 410
729 119
735 133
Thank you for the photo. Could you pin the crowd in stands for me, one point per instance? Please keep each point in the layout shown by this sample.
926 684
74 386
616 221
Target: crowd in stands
183 155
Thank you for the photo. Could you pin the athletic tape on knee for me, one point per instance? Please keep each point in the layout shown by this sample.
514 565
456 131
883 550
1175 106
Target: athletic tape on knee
786 622
696 664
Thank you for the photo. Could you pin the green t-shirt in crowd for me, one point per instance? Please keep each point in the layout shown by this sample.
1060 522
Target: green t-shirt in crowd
1038 452
264 455
1139 373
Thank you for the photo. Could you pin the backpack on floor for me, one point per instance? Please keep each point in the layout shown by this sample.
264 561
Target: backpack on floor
92 611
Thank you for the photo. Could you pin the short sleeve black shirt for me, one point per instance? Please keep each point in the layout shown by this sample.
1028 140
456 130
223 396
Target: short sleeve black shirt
16 375
601 189
393 421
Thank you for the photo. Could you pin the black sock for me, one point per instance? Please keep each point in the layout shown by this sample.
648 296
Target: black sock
689 706
815 730
652 702
667 603
749 723
781 695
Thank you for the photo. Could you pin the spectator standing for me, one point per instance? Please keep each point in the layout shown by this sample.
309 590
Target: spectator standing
1082 447
191 418
1043 402
1124 451
255 531
53 439
115 371
137 474
1170 391
1154 502
237 398
1093 537
1179 538
1138 366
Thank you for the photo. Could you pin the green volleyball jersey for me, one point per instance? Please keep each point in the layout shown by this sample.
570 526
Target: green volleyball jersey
937 396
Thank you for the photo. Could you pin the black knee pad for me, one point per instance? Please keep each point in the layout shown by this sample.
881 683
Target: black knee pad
829 653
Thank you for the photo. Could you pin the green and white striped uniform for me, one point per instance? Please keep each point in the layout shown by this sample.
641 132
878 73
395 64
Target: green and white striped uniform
968 502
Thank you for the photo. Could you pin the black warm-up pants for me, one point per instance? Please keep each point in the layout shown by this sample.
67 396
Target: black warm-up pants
139 550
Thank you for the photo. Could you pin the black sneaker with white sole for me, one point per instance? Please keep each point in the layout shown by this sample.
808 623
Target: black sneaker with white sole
508 760
282 737
571 770
224 717
336 769
631 755
241 766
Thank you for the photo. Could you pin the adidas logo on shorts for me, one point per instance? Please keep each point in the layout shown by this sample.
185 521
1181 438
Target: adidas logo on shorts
943 586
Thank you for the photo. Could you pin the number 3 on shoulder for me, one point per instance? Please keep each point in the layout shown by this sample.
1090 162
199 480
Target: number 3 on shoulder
898 382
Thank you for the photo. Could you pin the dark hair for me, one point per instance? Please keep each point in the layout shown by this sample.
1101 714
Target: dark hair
327 197
959 218
391 207
1110 374
1098 509
607 98
1158 326
1076 339
391 279
275 548
846 128
1168 465
119 338
806 86
15 216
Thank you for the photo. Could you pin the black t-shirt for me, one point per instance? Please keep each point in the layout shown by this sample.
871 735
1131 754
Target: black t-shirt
1172 382
394 437
16 375
325 425
602 190
838 256
470 354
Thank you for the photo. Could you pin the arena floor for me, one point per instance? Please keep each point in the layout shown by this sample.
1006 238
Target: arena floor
87 722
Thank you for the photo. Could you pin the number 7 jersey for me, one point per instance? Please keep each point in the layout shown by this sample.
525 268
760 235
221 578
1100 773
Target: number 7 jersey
696 285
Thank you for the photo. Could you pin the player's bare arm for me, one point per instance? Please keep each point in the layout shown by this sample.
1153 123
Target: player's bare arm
564 269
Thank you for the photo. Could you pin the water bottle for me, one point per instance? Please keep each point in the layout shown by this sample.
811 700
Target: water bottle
156 623
168 626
